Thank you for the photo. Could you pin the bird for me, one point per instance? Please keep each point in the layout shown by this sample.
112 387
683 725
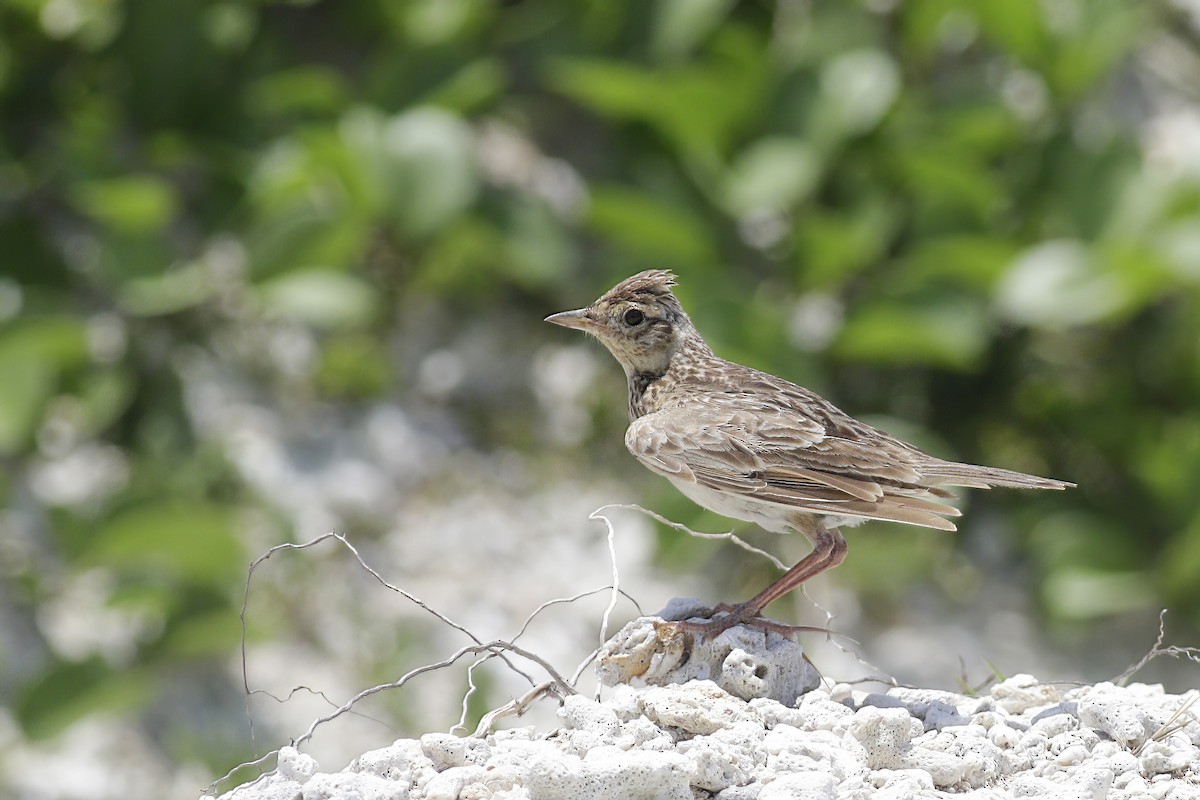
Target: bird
752 446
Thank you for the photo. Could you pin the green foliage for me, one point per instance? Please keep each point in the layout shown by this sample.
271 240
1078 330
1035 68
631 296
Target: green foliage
296 203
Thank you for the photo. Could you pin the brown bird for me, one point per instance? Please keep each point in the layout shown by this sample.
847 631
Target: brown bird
754 447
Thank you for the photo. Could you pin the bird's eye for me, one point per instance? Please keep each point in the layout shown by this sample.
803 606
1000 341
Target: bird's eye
633 317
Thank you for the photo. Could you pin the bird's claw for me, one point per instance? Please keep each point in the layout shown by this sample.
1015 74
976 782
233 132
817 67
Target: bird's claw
712 623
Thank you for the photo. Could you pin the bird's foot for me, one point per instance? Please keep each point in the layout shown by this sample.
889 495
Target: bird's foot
711 623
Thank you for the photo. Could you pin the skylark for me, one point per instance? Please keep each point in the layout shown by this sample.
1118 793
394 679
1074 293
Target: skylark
754 447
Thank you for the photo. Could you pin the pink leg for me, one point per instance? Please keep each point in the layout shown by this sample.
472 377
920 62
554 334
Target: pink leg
829 550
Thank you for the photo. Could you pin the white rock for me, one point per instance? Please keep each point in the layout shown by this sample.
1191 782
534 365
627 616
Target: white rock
919 701
1161 757
582 713
1096 781
800 786
347 785
750 791
885 735
1071 756
446 750
1119 717
296 766
1003 736
1056 723
269 787
614 775
1022 692
699 707
448 784
745 661
393 763
680 742
717 765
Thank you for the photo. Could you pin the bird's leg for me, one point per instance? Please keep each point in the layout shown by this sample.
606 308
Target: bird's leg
829 550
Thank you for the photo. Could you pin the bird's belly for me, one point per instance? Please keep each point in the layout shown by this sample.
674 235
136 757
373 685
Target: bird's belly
771 516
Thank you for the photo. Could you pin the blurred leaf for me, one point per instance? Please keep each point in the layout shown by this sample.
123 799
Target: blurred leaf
972 261
773 173
950 185
28 383
613 89
1179 245
427 159
68 691
132 205
981 129
1180 563
320 297
171 291
1080 594
698 107
830 247
354 366
1080 540
679 25
466 258
314 169
58 341
199 636
303 237
230 25
170 541
432 22
953 336
933 25
1058 285
889 561
476 84
1016 26
298 91
857 89
645 224
1169 461
1106 33
104 396
537 247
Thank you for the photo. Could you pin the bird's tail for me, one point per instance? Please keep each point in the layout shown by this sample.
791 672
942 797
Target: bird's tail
950 473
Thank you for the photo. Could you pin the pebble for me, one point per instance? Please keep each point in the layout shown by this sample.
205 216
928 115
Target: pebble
698 740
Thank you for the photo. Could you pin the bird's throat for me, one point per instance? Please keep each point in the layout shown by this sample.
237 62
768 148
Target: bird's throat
639 384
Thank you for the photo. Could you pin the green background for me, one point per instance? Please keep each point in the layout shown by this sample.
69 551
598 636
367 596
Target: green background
973 222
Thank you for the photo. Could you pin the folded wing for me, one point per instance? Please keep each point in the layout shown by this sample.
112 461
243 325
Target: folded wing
773 453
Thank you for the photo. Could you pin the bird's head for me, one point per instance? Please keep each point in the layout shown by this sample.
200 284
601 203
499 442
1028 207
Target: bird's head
639 320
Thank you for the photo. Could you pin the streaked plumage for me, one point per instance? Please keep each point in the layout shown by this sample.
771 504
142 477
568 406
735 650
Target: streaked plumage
755 447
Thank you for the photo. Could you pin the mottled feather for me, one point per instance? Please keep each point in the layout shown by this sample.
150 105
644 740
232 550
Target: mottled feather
740 440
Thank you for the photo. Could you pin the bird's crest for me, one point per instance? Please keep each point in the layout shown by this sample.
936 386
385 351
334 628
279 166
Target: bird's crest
649 284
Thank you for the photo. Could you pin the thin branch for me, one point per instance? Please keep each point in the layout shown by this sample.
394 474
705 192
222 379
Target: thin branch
515 708
616 576
728 535
572 599
1190 653
370 571
557 685
495 647
471 689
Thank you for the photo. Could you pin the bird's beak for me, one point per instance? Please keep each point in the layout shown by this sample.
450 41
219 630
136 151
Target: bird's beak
579 319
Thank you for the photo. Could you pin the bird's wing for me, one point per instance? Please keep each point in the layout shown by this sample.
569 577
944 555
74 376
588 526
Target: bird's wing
775 453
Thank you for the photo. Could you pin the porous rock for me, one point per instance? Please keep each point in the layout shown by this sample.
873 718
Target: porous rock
746 661
700 739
